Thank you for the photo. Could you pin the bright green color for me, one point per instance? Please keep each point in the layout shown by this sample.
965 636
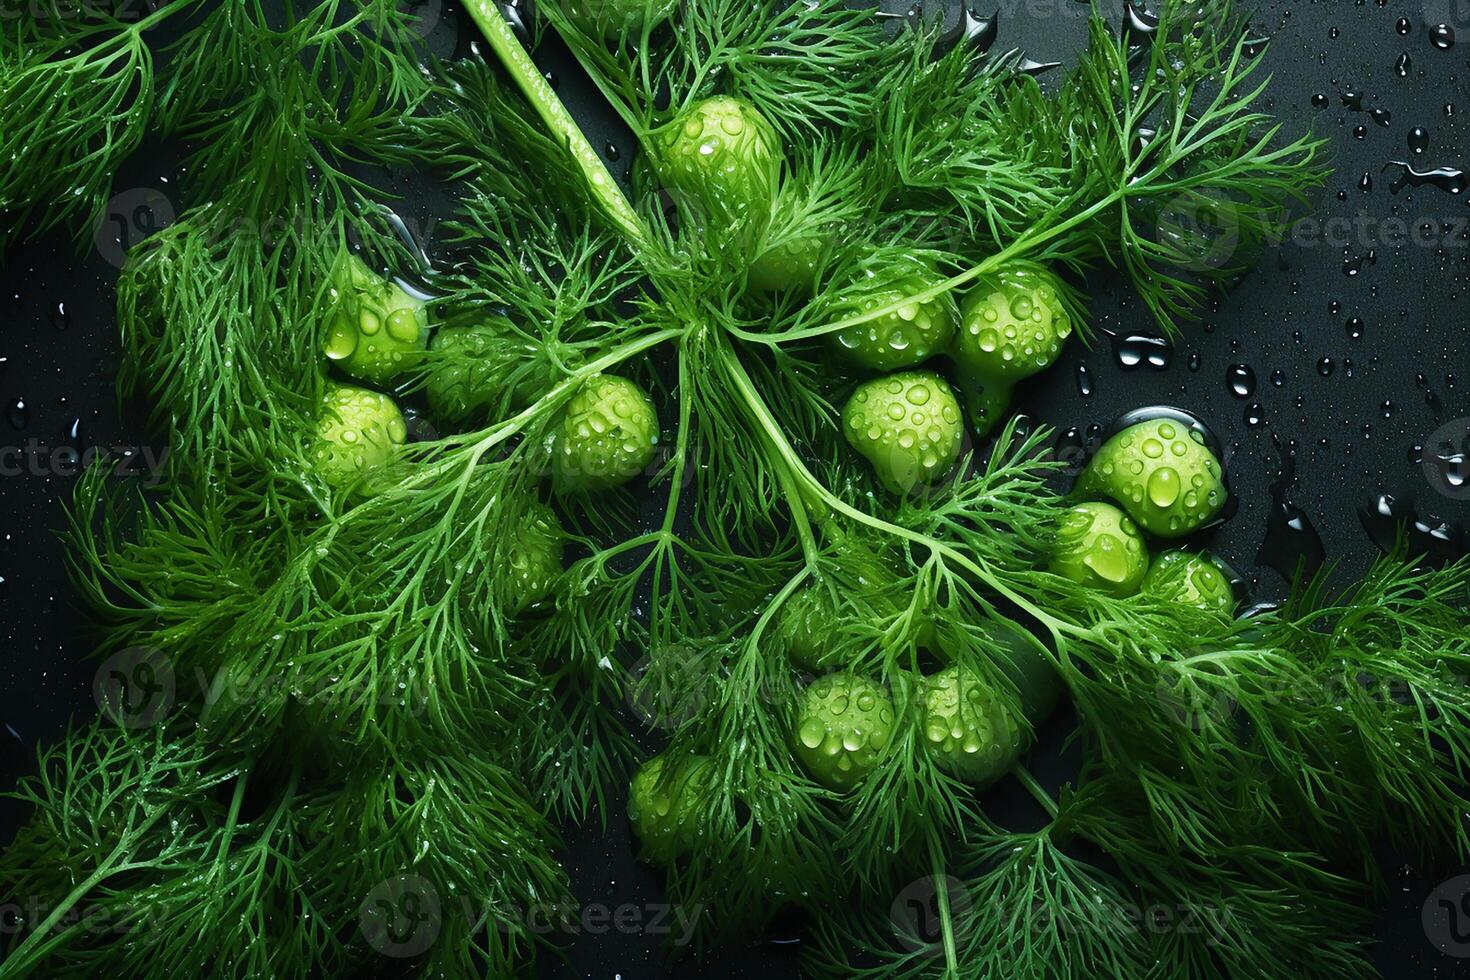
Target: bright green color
1190 578
843 724
909 334
611 18
908 426
377 329
606 437
664 805
358 432
725 156
469 371
1013 324
1097 545
788 266
968 729
1162 474
536 558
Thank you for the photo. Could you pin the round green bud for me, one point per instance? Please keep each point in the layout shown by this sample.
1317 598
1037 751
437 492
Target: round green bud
664 805
968 729
805 625
789 266
468 370
536 557
843 725
1013 324
1098 546
1161 473
377 328
612 17
1190 578
607 436
358 432
726 155
907 425
908 335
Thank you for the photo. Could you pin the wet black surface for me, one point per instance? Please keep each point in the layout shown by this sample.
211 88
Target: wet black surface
1355 331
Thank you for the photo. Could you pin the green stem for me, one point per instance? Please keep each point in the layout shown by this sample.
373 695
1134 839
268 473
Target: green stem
1023 775
941 896
558 120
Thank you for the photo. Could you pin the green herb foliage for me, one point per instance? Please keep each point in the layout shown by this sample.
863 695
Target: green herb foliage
363 694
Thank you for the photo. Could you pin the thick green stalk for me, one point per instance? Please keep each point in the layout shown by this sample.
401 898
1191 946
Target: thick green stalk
558 120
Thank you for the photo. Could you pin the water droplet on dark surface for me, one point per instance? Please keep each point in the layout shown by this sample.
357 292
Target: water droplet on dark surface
60 319
1254 415
1291 545
1354 264
1391 520
1418 139
979 33
1278 378
1442 36
1354 328
1242 380
1360 132
1381 116
1451 180
1137 350
1325 366
18 414
1402 25
1137 21
1084 381
1402 65
1319 101
1365 183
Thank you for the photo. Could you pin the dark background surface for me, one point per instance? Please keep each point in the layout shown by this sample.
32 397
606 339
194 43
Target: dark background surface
1395 378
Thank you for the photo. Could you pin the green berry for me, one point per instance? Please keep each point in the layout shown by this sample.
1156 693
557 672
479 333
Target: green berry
1161 473
1013 324
665 802
612 17
805 625
909 335
358 432
469 371
842 728
907 425
1098 546
607 436
968 729
536 558
1190 578
377 329
725 155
